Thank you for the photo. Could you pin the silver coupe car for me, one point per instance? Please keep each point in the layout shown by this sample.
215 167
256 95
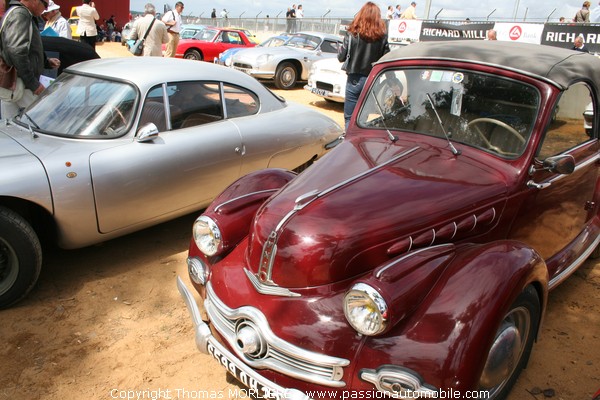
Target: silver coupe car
290 63
117 145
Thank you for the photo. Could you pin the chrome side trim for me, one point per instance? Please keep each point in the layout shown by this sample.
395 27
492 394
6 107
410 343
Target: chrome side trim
414 253
243 196
271 289
571 268
280 356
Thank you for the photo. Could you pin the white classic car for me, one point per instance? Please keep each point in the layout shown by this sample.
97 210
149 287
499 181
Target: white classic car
290 63
327 79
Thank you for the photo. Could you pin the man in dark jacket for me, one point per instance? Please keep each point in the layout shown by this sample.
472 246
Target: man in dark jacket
21 46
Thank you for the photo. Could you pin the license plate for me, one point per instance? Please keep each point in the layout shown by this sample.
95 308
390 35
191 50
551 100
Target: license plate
244 70
320 92
256 384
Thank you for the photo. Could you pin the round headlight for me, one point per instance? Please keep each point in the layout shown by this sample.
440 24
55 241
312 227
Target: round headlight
365 309
207 235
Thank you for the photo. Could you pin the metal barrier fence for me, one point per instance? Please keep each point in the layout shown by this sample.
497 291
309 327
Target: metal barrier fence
272 25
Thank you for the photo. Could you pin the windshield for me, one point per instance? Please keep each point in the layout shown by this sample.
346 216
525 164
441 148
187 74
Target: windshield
304 41
83 106
206 34
479 110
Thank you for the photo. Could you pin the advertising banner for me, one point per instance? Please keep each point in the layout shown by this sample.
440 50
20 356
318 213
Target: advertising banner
563 35
402 30
439 31
516 32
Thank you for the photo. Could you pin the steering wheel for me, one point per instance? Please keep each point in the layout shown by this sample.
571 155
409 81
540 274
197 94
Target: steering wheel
116 120
501 124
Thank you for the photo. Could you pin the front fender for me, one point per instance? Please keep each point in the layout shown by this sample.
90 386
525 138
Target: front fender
235 207
446 338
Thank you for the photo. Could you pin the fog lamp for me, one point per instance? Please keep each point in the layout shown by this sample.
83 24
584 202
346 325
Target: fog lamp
197 270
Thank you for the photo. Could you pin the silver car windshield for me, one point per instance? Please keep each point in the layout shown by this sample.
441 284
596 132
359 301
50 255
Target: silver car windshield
83 107
304 41
476 109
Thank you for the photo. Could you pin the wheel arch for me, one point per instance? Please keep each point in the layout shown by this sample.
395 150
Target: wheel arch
445 340
40 218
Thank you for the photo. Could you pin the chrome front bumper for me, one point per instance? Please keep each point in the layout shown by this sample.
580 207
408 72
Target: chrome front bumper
208 344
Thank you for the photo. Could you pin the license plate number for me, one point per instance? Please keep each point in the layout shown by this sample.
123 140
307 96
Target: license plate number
320 92
255 383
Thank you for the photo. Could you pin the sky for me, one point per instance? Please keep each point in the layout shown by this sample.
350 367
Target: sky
530 10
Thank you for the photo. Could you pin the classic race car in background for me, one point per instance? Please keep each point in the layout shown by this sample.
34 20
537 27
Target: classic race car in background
210 42
327 80
117 145
290 63
274 41
417 256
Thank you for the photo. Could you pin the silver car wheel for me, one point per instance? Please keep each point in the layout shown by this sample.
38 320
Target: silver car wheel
512 345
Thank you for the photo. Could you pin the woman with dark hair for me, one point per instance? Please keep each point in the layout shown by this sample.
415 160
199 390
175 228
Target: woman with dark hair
364 44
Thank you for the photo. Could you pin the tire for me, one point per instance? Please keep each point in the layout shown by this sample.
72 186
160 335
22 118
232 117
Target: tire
20 257
595 254
516 333
286 76
193 55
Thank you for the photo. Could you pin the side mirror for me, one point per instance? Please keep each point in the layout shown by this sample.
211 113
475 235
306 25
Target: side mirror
564 164
147 133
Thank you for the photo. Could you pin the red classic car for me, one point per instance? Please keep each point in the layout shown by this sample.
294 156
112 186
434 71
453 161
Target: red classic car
210 42
416 257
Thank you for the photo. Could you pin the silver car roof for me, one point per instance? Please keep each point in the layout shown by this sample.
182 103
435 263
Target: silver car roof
556 65
147 72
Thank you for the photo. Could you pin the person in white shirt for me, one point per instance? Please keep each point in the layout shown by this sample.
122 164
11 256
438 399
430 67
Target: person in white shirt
410 12
86 28
56 21
156 36
172 20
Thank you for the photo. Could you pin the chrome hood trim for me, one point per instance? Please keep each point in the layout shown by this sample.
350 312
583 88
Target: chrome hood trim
269 250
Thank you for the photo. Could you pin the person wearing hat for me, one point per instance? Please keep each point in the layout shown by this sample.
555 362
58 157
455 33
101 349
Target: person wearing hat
56 21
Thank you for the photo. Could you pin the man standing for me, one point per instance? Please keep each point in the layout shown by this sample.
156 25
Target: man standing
86 28
410 12
157 34
579 46
172 20
56 21
397 12
21 46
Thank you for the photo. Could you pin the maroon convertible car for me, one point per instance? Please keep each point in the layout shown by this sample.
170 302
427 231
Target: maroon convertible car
417 256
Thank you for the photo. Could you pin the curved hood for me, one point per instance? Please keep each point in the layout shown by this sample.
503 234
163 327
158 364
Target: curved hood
368 201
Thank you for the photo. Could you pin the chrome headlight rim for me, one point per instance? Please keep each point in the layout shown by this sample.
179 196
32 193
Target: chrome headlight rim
207 235
363 296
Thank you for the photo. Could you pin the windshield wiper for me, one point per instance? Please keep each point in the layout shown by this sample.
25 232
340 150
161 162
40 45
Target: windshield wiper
452 148
33 134
392 137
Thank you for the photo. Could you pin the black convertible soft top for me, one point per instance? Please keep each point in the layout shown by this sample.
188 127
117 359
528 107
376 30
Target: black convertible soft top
559 66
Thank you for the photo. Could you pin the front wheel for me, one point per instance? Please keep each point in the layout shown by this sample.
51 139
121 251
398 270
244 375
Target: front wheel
20 257
512 345
193 55
286 76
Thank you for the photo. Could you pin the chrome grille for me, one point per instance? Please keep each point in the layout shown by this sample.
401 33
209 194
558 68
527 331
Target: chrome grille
280 355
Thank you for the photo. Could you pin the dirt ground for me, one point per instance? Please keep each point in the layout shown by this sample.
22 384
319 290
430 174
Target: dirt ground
107 322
